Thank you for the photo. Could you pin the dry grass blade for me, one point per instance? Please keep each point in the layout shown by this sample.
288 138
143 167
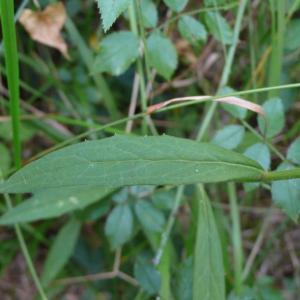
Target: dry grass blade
229 100
45 26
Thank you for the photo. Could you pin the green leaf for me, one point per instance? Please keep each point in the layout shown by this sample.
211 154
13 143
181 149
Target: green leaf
260 153
229 137
119 225
192 30
110 11
162 54
293 153
118 51
146 274
176 5
128 160
286 193
292 37
5 159
150 217
53 203
234 110
164 199
149 13
219 27
213 3
274 114
61 250
184 281
209 276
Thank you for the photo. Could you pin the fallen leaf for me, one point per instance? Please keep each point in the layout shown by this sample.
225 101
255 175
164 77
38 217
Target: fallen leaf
45 26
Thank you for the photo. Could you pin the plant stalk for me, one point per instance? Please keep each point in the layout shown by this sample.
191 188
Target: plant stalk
12 73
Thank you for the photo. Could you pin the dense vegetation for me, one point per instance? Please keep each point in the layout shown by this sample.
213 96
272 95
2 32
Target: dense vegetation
150 149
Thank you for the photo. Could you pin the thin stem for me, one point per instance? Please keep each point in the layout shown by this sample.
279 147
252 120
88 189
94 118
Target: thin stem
236 237
198 11
226 70
273 149
257 245
170 223
12 72
134 29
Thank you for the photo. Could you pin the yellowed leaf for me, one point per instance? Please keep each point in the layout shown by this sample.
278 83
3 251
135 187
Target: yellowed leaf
45 26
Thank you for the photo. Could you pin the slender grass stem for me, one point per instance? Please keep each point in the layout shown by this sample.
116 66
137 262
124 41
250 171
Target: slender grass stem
236 238
278 28
140 71
169 226
12 71
198 11
226 70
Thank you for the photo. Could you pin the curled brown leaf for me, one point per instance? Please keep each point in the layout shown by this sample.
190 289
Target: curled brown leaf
45 26
229 100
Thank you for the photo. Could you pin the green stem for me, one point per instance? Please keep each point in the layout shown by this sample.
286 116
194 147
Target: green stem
272 148
236 238
226 70
167 232
281 175
12 73
140 71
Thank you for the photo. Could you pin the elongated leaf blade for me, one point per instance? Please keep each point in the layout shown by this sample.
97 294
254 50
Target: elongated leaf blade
208 279
61 250
123 160
53 203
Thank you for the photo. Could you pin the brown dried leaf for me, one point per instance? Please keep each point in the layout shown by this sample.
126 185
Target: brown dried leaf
45 26
230 100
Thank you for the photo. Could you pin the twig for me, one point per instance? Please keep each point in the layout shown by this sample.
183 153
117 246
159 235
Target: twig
115 273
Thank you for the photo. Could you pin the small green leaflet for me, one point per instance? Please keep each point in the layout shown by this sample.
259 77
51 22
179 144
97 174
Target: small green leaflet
118 51
176 5
127 160
260 153
162 54
286 193
149 13
219 27
119 225
110 11
150 217
192 30
229 137
294 151
274 114
146 274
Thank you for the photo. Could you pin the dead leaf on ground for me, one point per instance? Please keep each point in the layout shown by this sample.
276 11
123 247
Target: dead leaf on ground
45 26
